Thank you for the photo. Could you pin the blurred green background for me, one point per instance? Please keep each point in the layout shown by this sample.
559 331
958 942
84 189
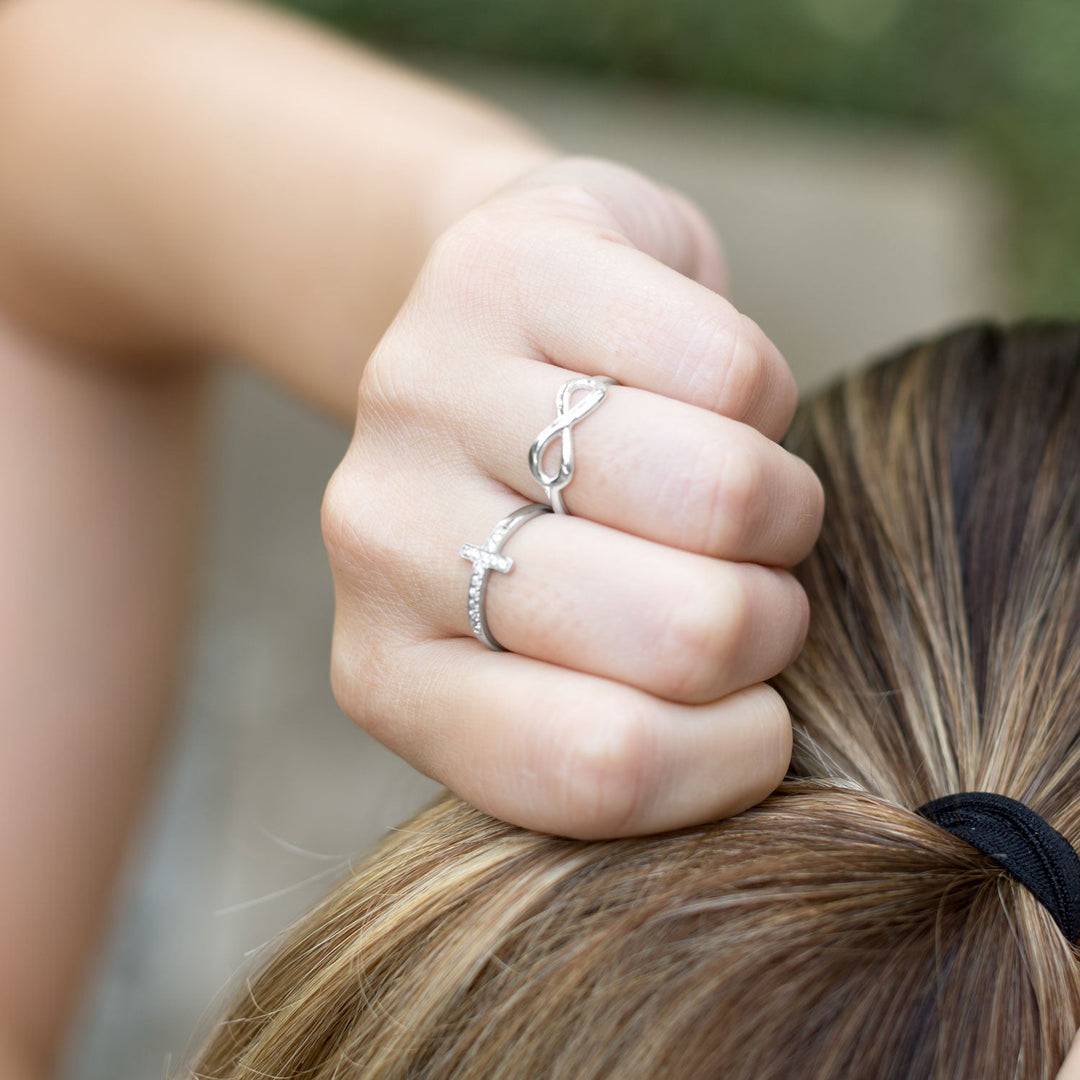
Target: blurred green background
1003 74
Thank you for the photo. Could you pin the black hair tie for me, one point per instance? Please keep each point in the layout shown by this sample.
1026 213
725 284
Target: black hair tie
1021 843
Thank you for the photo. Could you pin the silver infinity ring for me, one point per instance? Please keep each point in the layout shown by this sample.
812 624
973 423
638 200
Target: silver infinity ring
486 558
568 413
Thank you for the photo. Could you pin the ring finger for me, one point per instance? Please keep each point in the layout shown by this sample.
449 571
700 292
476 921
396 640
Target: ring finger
649 465
678 625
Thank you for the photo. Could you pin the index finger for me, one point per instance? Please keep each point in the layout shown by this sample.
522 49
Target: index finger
616 311
568 293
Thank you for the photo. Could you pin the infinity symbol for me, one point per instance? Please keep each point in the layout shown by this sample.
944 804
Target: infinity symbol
568 413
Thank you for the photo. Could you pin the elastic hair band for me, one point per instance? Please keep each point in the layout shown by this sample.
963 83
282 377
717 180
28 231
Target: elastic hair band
1021 843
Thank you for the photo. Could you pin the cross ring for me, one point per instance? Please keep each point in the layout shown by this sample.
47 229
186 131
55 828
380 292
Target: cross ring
487 557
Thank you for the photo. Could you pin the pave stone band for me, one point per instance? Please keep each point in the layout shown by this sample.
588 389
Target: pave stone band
568 413
486 558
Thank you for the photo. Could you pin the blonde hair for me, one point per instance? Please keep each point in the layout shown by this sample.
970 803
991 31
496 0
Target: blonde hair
830 931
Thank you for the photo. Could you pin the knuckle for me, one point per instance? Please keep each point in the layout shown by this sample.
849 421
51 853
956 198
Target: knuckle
723 363
783 392
738 488
800 620
815 509
699 638
359 678
344 663
576 202
398 381
349 670
705 356
754 383
361 513
744 374
475 268
605 771
465 245
338 514
773 723
591 189
362 532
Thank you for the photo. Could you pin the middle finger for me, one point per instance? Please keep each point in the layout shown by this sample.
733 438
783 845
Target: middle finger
649 465
680 626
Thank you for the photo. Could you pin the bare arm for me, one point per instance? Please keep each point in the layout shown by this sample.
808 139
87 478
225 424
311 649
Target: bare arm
178 179
183 179
188 176
98 476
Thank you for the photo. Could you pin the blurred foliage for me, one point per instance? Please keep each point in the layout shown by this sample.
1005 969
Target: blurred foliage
1004 73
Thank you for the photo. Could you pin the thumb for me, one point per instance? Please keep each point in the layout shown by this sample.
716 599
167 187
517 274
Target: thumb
651 217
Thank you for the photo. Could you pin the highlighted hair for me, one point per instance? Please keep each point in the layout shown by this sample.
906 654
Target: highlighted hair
830 932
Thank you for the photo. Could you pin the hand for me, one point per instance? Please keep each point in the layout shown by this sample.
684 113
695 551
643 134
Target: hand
641 625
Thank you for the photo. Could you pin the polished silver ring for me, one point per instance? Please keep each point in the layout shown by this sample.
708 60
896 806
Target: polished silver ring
568 413
486 558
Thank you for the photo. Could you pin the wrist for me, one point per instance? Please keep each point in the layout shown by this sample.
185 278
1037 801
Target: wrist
473 172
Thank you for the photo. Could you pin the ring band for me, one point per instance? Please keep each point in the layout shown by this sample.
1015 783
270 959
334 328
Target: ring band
486 558
568 414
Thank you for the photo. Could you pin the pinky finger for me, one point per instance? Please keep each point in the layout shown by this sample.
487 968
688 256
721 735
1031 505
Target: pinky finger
574 754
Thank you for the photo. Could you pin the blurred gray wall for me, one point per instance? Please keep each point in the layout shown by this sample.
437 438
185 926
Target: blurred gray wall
842 240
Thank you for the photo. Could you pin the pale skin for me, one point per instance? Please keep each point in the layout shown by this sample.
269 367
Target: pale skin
1070 1069
184 180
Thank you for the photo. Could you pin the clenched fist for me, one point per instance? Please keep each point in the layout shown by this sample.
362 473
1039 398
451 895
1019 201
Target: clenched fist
638 626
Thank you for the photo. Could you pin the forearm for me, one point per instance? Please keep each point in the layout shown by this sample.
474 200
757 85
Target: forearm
178 179
186 176
12 1066
98 475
